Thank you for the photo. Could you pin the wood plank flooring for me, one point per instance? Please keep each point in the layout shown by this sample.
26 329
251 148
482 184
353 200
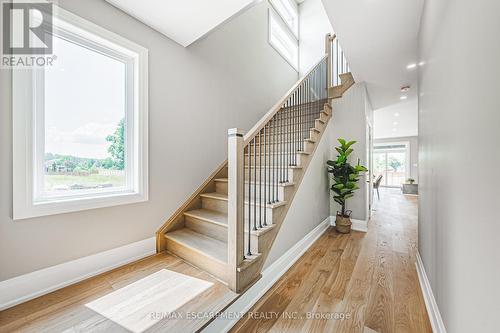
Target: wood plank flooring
356 283
65 310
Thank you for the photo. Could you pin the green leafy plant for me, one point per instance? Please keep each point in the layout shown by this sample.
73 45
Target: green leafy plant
410 181
345 176
117 146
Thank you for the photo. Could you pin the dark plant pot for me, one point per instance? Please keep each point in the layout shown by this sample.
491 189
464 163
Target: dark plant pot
410 188
343 224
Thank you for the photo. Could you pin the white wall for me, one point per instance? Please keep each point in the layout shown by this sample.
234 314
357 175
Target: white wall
228 79
313 27
351 115
413 154
311 204
459 229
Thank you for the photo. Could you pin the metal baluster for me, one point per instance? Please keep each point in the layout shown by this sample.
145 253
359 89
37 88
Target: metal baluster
265 174
275 158
260 179
288 138
338 63
309 101
291 143
254 185
282 142
285 143
297 117
325 85
301 115
280 137
297 120
249 152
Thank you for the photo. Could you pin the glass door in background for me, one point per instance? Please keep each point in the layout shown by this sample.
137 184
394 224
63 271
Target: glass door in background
390 162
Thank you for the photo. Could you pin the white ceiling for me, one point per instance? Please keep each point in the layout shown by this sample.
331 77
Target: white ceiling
182 21
380 39
396 120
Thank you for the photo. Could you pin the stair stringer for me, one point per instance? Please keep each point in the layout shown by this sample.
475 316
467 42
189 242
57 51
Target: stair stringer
176 221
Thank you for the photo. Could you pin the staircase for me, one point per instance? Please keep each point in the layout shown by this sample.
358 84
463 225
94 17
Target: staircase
227 227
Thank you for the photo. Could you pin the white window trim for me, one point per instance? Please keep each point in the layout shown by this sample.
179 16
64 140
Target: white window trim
407 149
279 6
23 105
273 16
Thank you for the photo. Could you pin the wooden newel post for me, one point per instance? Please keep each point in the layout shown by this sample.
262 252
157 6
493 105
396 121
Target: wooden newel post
235 239
329 67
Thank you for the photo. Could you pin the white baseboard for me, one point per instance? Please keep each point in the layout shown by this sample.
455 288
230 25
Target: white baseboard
430 302
270 276
358 225
26 287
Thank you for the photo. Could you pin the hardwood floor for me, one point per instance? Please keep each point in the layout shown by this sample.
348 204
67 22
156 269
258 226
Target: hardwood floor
145 295
366 282
352 283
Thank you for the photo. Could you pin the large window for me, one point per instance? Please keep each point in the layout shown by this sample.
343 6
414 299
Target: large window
284 30
80 126
391 161
289 12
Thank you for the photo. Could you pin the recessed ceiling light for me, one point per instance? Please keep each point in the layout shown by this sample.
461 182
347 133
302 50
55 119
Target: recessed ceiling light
396 114
403 97
405 89
411 66
395 123
421 63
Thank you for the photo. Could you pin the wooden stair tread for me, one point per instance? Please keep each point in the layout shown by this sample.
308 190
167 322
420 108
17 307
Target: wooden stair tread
270 142
200 243
275 167
246 182
279 184
215 195
280 152
223 197
208 215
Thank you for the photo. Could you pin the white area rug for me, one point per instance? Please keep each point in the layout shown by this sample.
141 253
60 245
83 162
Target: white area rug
143 303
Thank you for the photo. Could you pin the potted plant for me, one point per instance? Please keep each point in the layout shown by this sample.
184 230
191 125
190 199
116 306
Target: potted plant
345 178
409 187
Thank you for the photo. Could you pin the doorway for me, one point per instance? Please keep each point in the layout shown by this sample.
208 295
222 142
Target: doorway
392 162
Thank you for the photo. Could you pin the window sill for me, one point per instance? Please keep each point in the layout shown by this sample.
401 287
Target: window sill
69 205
